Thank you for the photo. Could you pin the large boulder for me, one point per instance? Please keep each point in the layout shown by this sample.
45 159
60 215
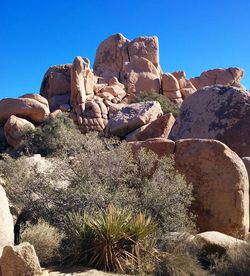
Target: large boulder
229 76
6 221
131 117
145 47
216 112
160 146
28 108
160 128
110 56
20 260
186 86
56 81
220 183
170 87
116 51
93 116
15 129
213 242
140 76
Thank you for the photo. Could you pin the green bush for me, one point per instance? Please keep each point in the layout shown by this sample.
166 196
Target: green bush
55 137
113 239
97 175
166 104
46 240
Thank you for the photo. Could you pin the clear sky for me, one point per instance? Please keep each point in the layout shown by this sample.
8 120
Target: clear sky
194 35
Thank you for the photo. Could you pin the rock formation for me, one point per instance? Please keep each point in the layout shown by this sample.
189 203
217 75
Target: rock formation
229 76
6 221
26 107
20 260
55 86
15 129
132 117
159 128
216 112
220 183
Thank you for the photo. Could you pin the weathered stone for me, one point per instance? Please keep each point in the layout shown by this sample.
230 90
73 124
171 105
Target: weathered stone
160 128
82 86
229 76
213 242
216 112
140 76
110 56
145 82
20 260
169 83
56 81
36 97
220 183
132 117
160 146
15 129
57 101
145 47
94 116
27 108
6 221
186 86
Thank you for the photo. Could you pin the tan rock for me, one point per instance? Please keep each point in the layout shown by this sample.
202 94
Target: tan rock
145 82
115 91
20 260
139 65
6 221
160 128
82 86
220 183
229 76
140 75
216 112
36 97
27 108
94 116
15 129
172 95
56 81
160 146
57 101
132 117
169 83
145 47
110 56
186 86
213 242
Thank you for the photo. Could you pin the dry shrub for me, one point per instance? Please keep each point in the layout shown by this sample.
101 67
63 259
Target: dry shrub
46 240
233 262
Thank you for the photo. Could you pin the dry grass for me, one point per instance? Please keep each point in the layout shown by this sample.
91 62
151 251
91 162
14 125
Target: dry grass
46 240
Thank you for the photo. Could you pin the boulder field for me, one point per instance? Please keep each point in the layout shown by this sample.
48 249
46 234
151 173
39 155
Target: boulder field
208 138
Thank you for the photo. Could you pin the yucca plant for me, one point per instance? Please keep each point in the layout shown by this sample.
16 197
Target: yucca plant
116 240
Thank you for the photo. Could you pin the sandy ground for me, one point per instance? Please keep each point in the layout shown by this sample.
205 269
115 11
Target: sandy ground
75 271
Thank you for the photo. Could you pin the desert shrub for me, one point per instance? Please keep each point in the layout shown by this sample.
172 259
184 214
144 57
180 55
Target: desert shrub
233 262
46 240
55 137
99 175
179 265
166 104
113 239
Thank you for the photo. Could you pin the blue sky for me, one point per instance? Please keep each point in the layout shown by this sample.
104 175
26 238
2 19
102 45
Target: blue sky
194 35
